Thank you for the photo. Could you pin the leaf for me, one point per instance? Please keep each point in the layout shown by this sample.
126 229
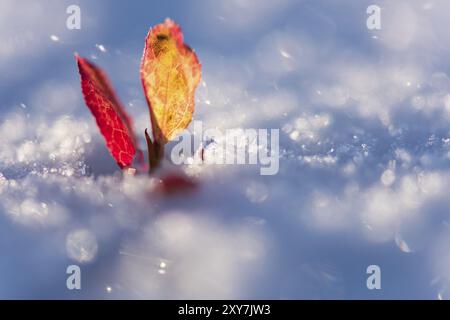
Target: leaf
176 183
112 120
170 73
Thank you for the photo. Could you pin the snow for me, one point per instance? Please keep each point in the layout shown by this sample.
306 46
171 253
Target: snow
364 155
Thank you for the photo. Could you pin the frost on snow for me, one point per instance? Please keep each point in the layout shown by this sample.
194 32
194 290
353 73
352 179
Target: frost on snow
364 164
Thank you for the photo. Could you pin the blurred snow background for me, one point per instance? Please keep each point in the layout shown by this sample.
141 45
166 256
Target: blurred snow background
365 153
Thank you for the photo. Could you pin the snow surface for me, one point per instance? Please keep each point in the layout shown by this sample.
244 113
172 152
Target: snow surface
364 139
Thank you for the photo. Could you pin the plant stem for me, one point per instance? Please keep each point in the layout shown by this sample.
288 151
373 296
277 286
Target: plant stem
155 153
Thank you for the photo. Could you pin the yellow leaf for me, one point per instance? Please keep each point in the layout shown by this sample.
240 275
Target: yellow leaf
170 73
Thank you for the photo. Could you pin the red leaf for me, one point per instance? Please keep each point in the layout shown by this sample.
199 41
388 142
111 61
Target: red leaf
176 183
112 120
